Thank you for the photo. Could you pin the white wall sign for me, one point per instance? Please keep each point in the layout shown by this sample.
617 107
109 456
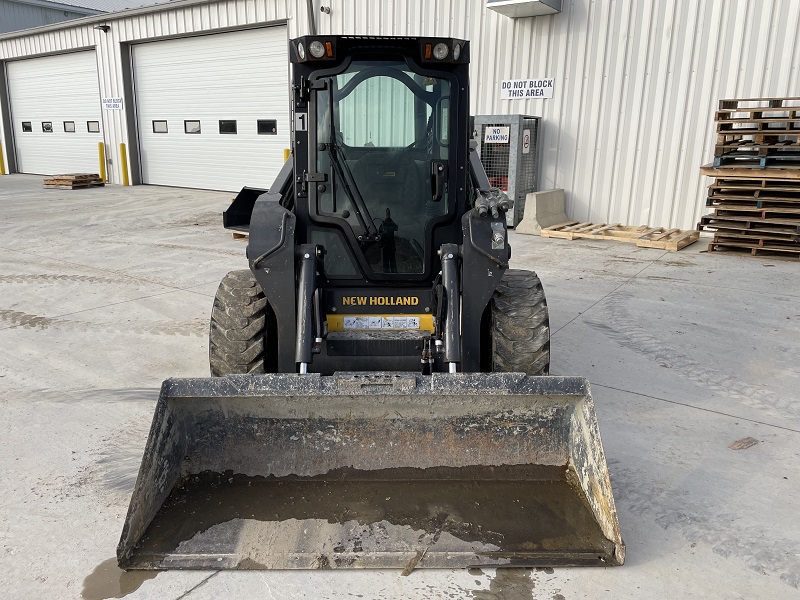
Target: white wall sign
512 89
112 103
496 135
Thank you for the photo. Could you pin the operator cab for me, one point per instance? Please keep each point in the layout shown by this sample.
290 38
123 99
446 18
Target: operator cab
378 188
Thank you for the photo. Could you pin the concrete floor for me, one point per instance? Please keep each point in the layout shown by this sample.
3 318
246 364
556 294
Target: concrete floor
106 292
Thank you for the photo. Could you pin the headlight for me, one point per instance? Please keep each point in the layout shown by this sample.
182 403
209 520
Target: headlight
440 51
456 51
301 51
317 49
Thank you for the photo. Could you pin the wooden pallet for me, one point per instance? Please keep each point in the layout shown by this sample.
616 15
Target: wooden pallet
643 236
754 160
754 203
759 123
759 104
774 191
754 250
241 236
744 172
756 184
768 128
72 186
760 115
751 147
782 212
789 227
73 181
757 236
766 140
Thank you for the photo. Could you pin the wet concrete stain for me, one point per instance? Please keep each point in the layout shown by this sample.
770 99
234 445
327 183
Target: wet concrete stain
15 318
109 581
555 519
508 584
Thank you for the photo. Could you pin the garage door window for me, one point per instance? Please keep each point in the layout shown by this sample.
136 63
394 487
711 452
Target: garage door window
267 127
69 126
47 126
160 127
227 126
191 126
93 126
26 126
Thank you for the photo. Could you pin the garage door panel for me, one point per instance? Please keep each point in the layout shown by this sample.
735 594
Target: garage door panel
57 90
238 76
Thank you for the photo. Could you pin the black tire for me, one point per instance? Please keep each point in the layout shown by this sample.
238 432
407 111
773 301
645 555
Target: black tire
520 325
237 339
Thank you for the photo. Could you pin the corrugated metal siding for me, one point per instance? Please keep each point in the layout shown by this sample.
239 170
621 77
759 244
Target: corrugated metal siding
169 23
637 82
182 18
15 16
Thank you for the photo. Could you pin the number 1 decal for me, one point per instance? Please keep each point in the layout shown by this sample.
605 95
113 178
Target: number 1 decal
300 121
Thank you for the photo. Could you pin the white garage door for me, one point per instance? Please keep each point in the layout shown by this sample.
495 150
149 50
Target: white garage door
55 111
213 110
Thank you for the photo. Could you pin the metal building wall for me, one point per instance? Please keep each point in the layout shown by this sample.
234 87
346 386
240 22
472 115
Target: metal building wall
181 18
636 85
636 81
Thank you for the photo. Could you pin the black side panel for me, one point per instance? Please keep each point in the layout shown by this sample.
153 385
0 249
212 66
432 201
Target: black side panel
270 252
485 257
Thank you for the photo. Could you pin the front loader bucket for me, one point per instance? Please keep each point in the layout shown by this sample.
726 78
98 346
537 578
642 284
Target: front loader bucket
385 470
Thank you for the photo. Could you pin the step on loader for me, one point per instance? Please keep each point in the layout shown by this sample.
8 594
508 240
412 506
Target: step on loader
380 392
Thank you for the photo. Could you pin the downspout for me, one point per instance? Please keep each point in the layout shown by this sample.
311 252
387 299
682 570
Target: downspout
312 24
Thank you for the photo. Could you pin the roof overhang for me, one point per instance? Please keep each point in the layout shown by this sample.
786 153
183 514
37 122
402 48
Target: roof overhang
59 6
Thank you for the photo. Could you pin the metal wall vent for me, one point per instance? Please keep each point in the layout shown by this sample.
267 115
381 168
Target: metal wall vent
525 8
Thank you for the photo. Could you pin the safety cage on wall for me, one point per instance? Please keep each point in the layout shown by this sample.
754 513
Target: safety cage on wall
509 149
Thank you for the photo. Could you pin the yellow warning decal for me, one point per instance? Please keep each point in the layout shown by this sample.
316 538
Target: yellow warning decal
385 322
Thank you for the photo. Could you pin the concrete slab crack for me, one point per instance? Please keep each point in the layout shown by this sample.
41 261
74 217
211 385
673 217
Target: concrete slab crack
199 585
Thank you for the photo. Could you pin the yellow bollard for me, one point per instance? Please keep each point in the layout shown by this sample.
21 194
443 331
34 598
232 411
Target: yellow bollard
101 156
123 163
286 154
2 162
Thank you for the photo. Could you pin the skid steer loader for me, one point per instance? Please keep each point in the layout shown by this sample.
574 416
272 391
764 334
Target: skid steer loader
381 394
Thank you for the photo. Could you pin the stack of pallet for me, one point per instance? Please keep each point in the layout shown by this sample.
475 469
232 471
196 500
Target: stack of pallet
756 170
73 181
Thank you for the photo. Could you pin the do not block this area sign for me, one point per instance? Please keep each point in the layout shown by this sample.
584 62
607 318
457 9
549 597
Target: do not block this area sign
513 89
112 103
